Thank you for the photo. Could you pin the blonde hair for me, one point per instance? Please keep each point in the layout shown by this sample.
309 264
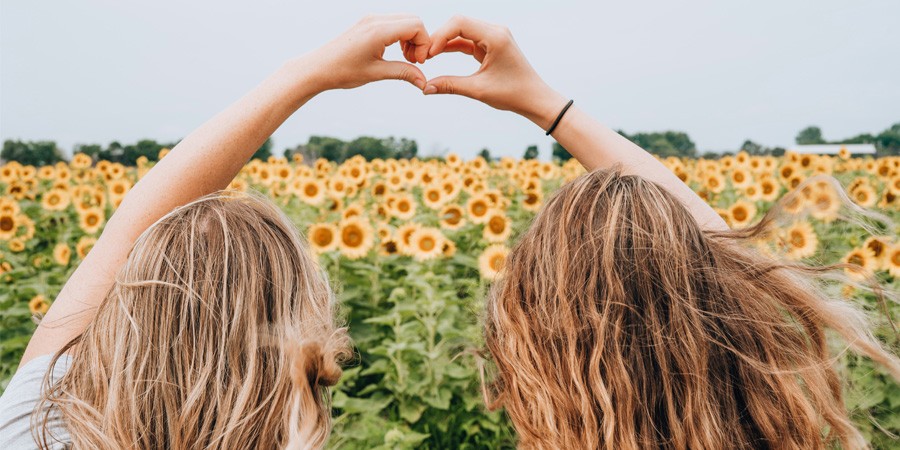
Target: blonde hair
219 333
620 323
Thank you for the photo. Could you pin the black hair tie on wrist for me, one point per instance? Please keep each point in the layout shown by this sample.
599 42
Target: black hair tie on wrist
559 117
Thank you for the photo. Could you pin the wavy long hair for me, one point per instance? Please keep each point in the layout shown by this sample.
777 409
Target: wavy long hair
219 333
620 323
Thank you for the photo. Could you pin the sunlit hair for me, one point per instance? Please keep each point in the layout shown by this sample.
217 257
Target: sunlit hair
620 324
219 333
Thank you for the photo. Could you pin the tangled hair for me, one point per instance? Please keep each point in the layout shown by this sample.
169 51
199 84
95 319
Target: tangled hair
620 324
219 333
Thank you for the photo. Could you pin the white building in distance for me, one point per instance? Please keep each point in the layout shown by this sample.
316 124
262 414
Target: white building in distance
833 149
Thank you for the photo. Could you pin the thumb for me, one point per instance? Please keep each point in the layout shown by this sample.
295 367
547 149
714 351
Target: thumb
451 85
397 70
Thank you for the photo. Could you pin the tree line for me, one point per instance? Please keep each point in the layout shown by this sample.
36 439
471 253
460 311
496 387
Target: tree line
662 143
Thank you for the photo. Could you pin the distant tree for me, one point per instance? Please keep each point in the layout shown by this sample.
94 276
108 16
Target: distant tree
664 144
809 136
888 141
92 150
710 155
369 148
264 151
560 153
777 151
531 152
753 148
485 153
326 147
34 153
403 148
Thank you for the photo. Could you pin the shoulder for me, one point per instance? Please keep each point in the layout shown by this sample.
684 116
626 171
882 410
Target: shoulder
21 397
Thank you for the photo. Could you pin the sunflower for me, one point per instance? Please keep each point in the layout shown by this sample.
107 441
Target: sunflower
742 213
893 184
878 246
741 178
322 237
61 254
449 248
91 220
497 228
426 243
403 237
861 261
353 210
310 190
84 246
768 189
492 260
714 182
452 217
800 240
533 200
9 206
864 195
16 245
403 207
8 225
752 191
356 237
824 205
478 207
38 305
433 197
55 200
892 260
388 247
80 161
844 153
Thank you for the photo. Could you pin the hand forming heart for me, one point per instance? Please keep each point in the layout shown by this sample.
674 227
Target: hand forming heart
505 80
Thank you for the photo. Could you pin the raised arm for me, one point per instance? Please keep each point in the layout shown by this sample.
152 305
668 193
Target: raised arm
507 81
210 157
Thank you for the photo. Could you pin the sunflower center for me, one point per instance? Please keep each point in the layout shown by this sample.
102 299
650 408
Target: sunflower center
323 237
311 190
353 237
497 224
427 244
798 240
6 223
496 262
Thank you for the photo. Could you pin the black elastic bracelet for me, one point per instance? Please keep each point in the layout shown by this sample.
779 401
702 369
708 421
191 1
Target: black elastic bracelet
559 117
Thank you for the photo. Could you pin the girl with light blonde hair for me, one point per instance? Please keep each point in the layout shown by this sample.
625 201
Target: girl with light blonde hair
200 320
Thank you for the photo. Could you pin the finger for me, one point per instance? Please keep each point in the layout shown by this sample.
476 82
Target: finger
411 30
409 53
398 70
465 86
465 46
459 26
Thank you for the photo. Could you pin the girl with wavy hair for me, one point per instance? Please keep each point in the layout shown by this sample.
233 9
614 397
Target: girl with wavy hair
200 320
630 317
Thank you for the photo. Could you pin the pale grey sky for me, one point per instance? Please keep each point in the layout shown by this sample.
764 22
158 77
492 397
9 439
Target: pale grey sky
92 71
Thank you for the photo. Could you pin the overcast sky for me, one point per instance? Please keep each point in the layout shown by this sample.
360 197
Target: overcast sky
723 71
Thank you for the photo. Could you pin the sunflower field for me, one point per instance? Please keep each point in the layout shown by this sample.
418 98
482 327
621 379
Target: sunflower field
412 245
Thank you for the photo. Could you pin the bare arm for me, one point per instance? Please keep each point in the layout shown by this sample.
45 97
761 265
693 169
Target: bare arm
210 157
507 81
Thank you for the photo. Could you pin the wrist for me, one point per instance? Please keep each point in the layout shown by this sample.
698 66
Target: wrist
544 104
308 77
